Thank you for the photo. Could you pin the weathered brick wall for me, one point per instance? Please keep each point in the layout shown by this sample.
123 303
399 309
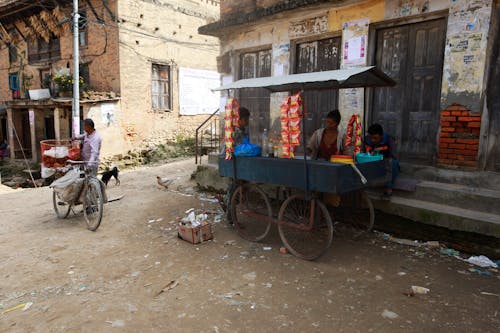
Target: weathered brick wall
173 40
459 137
101 53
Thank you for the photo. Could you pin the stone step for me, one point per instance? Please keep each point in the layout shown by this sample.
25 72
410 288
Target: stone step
442 215
479 179
457 195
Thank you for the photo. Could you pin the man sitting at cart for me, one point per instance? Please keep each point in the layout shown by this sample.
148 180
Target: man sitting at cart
378 142
241 132
327 141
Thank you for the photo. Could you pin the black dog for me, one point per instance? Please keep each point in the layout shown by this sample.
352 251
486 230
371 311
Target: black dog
106 176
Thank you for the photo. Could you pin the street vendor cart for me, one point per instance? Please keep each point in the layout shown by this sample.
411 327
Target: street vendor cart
304 221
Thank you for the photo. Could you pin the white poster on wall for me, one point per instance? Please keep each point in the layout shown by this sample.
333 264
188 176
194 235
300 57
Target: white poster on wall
195 91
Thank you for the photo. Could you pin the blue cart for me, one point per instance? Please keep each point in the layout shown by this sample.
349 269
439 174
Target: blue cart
308 191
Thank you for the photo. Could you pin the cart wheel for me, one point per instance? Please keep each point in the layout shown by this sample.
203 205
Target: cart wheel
294 217
248 205
356 212
93 205
62 208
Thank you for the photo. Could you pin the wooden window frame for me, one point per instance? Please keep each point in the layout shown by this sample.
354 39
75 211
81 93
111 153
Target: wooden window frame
309 39
83 30
155 105
53 52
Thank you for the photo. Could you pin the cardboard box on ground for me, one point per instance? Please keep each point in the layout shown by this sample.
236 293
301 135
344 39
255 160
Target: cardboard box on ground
195 228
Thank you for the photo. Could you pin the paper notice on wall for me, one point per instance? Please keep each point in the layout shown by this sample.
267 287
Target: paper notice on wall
195 91
355 50
108 113
354 41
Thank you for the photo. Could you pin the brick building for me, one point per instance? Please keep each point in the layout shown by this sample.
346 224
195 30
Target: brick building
142 57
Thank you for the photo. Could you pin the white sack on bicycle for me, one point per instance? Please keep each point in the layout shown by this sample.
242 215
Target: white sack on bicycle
68 186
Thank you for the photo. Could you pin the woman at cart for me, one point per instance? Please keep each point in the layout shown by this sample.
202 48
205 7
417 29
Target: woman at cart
327 141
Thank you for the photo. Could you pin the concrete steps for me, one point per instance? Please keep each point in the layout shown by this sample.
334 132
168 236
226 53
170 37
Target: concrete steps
440 214
457 195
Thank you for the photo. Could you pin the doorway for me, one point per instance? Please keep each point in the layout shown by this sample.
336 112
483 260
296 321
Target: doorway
412 55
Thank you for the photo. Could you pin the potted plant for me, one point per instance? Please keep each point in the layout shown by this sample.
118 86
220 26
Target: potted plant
64 83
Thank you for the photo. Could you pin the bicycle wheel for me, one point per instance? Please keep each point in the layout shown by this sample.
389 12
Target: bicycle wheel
61 208
248 204
293 220
356 212
93 204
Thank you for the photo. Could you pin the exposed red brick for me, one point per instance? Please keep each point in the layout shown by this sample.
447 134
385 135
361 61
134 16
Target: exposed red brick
457 145
448 129
466 113
467 119
466 152
476 131
472 147
443 145
459 158
445 135
458 124
445 113
448 118
468 141
475 124
447 151
448 140
456 113
445 124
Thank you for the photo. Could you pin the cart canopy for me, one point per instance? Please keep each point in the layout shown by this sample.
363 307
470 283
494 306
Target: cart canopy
337 79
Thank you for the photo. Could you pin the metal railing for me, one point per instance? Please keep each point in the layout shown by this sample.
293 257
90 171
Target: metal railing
209 131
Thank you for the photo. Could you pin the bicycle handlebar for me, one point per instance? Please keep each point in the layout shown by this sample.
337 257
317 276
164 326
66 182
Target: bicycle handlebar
75 162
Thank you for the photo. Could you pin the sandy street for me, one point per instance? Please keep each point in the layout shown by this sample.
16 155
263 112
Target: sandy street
111 280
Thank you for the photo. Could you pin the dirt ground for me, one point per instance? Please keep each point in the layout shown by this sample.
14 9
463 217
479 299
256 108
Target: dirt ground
110 280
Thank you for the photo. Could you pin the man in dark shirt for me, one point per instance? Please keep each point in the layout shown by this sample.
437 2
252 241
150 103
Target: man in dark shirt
378 142
241 132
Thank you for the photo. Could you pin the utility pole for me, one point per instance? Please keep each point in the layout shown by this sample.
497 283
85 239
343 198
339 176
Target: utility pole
76 71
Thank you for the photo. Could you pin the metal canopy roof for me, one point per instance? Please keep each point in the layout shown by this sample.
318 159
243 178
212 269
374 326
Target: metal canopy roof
337 79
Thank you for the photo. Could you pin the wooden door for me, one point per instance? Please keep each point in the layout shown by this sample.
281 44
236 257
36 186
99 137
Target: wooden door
256 100
413 56
318 56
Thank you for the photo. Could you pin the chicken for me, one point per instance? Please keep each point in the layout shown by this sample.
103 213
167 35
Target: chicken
164 182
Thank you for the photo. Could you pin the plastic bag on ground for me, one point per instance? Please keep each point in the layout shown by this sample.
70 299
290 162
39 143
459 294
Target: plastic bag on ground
481 261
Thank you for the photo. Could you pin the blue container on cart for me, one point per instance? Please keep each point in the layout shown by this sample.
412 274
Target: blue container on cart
365 158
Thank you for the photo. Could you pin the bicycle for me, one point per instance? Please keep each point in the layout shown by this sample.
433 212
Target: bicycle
90 195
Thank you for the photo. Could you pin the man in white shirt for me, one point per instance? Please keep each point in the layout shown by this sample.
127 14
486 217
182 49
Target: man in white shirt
91 145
